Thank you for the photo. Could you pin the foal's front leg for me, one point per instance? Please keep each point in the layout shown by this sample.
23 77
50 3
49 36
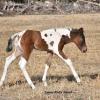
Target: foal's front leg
47 65
69 62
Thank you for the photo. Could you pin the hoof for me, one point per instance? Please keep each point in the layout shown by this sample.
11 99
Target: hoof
45 83
78 80
33 87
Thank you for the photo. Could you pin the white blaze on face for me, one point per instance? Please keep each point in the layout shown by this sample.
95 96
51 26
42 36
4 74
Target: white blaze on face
54 36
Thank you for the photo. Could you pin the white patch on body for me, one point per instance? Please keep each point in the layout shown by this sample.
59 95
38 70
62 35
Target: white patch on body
55 37
64 31
18 37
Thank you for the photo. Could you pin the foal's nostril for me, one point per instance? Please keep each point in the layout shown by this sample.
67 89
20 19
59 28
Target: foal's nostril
84 51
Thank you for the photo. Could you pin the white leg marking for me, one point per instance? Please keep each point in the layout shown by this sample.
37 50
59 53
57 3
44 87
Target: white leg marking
69 62
22 64
45 74
7 63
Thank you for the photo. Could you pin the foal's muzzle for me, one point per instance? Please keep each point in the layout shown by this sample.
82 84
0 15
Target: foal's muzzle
84 49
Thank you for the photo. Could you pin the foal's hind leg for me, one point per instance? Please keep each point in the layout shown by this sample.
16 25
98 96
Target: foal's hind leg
47 65
27 49
22 64
9 60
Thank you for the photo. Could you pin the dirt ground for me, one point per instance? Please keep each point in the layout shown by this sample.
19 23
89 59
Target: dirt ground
61 84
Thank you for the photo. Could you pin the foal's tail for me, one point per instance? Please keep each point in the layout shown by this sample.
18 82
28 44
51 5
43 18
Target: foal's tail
11 41
10 45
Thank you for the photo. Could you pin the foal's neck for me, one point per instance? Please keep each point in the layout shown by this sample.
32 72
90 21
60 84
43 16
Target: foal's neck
66 39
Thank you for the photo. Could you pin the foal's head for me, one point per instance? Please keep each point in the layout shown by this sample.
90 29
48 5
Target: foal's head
77 36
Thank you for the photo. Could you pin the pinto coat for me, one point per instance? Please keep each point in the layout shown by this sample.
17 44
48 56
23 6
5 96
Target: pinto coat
51 40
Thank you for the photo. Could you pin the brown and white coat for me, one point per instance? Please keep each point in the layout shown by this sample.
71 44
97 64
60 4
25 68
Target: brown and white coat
51 40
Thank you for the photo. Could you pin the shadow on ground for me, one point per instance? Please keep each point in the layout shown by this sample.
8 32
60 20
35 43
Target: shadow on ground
69 77
38 78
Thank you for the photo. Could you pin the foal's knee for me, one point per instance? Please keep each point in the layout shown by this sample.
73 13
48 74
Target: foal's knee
10 59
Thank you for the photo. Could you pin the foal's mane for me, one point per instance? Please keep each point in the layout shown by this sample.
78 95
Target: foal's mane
77 31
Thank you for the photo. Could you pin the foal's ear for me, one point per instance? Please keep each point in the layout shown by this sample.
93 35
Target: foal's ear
81 29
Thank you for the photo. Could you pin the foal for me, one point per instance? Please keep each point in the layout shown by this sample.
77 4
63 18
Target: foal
51 40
